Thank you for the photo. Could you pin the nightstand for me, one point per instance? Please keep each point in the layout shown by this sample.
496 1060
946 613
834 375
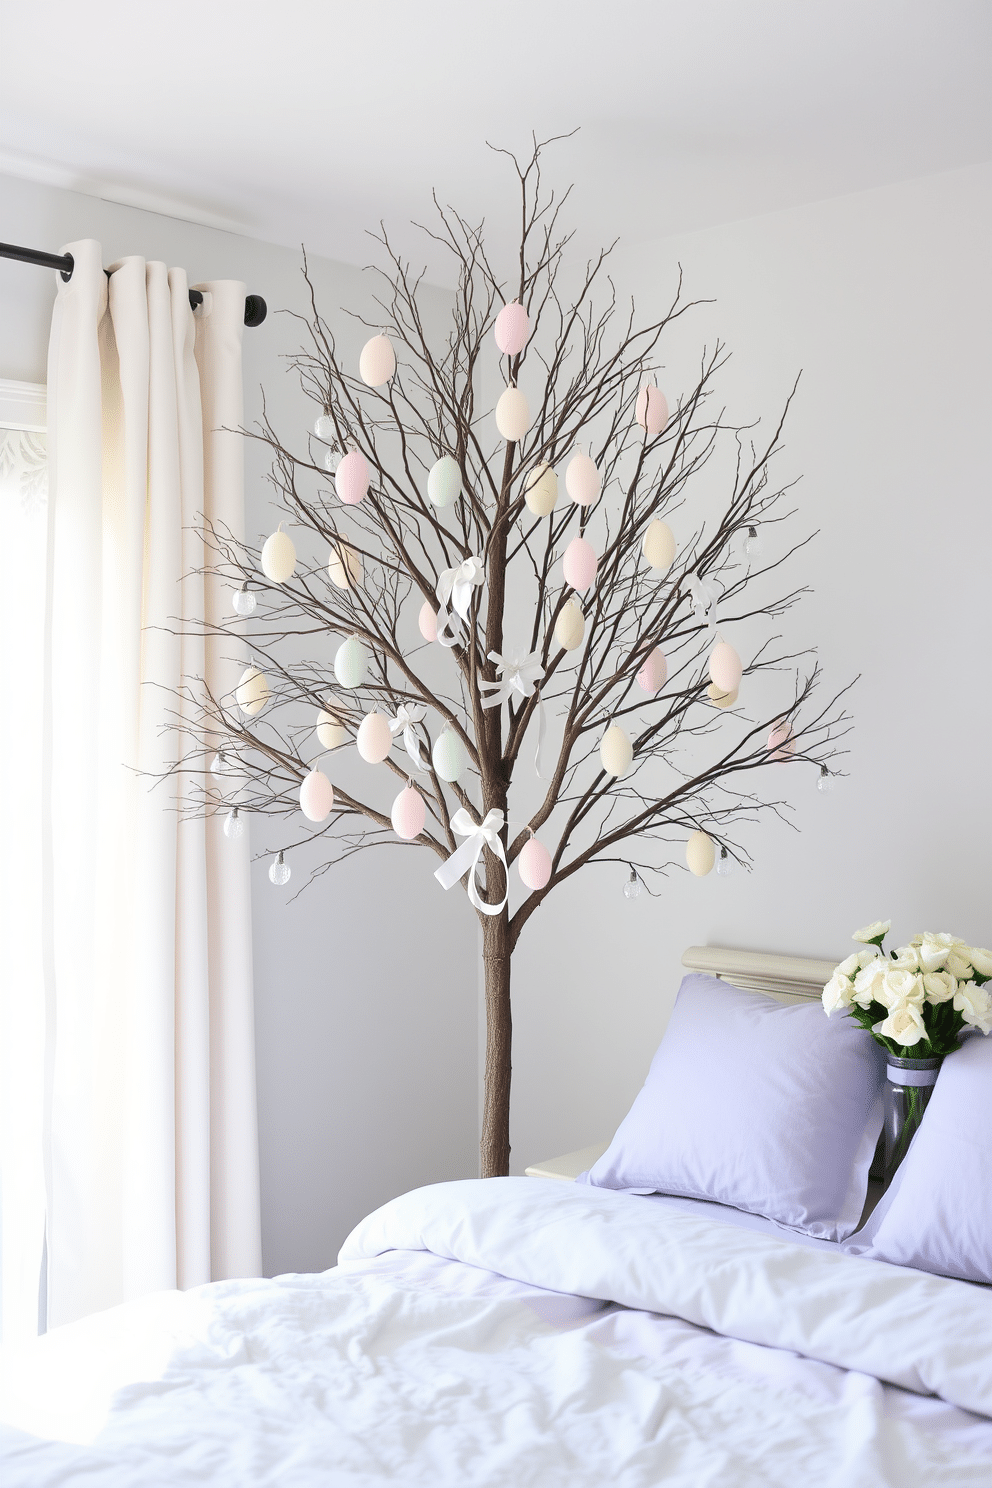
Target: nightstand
568 1167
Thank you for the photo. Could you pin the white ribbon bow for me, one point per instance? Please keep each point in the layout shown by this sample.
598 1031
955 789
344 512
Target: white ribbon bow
466 857
705 595
518 674
405 719
456 585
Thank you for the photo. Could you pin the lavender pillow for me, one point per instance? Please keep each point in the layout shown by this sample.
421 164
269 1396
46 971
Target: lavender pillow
769 1107
937 1213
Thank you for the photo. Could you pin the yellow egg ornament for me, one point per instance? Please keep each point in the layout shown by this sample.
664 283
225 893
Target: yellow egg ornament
570 627
616 752
719 698
278 556
252 692
331 732
658 546
344 567
512 415
541 490
700 854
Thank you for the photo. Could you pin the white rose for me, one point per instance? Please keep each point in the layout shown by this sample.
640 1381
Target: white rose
899 988
958 965
877 931
868 955
904 1024
869 982
974 1003
939 986
981 961
905 959
849 965
838 993
931 951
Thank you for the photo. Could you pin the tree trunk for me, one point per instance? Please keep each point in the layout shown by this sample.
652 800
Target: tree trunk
495 1153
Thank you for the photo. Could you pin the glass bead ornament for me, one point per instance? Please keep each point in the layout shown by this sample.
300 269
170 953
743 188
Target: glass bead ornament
243 602
753 543
725 864
332 460
825 782
324 428
632 888
279 870
234 827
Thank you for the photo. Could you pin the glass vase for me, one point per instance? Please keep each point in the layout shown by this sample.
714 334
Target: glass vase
908 1087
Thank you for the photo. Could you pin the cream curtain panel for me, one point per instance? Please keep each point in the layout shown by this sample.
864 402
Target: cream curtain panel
151 1142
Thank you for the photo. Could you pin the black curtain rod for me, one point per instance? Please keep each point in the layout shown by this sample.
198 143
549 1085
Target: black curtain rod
255 307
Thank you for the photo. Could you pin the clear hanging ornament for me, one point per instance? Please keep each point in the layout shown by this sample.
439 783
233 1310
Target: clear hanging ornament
324 428
725 864
332 460
222 766
825 782
632 888
234 826
280 871
753 543
243 601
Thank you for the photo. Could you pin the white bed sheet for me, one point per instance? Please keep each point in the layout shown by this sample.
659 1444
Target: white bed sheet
412 1363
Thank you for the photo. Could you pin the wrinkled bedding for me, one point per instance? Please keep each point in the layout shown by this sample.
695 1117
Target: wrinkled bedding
516 1331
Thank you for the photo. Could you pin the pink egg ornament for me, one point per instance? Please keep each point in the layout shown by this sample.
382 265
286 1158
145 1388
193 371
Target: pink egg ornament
512 329
534 864
654 672
725 667
427 621
408 814
582 479
651 410
579 564
351 479
316 796
780 742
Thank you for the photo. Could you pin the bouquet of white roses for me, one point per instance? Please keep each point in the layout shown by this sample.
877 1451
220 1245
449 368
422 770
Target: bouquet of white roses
915 1000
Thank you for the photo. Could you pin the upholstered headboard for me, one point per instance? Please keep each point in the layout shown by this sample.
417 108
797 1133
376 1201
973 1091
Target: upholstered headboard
790 978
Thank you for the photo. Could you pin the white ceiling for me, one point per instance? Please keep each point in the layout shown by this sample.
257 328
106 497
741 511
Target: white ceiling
303 120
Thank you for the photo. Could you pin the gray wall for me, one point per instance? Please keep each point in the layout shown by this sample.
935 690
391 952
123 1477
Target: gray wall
366 1034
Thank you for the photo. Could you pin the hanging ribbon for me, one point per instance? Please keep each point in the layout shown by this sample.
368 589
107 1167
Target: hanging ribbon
456 585
406 718
705 595
518 674
465 859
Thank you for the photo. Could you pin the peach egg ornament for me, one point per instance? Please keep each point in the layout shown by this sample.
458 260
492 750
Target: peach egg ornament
316 796
534 864
377 362
374 738
654 672
409 814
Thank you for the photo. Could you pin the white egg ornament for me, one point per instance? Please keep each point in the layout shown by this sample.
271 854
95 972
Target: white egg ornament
725 667
570 627
316 796
374 738
330 730
344 567
616 752
654 672
658 546
534 864
278 556
377 362
427 621
444 481
541 490
252 692
512 415
409 814
512 329
579 564
449 756
582 479
651 410
780 741
352 477
700 854
351 663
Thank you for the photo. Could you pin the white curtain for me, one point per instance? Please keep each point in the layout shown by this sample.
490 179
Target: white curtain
150 1142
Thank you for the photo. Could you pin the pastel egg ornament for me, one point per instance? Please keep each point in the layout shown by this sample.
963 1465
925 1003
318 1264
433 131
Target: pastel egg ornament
427 621
534 864
616 752
582 479
377 362
331 732
374 738
352 477
719 698
512 329
541 490
316 796
725 667
351 663
344 566
444 481
651 410
579 564
278 556
780 743
570 627
653 673
252 692
512 415
409 814
700 854
658 546
449 756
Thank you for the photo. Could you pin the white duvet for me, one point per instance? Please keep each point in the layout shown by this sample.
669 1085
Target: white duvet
519 1332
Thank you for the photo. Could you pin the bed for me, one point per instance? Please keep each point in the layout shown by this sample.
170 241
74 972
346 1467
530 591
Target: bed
529 1331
